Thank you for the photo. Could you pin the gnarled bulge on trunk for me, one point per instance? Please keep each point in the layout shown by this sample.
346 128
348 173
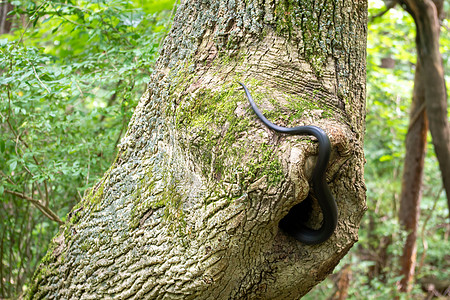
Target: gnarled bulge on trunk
190 209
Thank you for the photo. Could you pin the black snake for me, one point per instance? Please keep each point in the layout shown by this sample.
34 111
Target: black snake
292 223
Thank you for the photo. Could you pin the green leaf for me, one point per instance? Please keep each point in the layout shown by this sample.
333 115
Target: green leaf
4 42
13 165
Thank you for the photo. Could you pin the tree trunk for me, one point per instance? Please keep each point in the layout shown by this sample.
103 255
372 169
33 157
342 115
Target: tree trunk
427 15
429 107
191 206
409 212
5 19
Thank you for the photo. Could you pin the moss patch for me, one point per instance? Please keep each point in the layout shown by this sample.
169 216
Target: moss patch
268 165
315 23
217 137
283 13
212 128
174 214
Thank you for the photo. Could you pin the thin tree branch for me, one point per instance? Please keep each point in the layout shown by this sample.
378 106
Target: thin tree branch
89 166
78 87
37 77
28 24
390 5
112 99
45 210
7 177
416 116
21 246
18 138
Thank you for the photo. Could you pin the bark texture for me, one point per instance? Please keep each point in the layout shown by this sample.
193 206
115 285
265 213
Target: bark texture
191 206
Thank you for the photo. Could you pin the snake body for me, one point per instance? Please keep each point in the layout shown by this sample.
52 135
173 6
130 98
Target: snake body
292 223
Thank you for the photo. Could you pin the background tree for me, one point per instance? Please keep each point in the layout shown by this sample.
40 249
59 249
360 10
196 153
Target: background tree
5 21
190 207
429 106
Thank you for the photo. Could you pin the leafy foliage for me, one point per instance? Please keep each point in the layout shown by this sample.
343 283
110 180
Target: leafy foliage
70 78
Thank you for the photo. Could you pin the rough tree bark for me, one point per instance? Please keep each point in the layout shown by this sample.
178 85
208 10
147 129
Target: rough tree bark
191 206
429 106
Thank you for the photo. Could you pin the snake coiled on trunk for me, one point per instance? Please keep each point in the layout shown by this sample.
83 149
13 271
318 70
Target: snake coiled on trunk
293 224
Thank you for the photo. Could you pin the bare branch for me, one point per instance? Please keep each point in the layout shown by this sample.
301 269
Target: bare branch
45 210
416 116
37 77
7 177
389 5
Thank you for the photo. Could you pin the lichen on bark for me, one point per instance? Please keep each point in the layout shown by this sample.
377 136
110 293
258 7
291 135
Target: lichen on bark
191 206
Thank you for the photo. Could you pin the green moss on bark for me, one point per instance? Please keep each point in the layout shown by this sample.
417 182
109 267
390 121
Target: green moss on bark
284 13
313 25
216 135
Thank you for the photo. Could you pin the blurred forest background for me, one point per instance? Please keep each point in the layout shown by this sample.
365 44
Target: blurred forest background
71 73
